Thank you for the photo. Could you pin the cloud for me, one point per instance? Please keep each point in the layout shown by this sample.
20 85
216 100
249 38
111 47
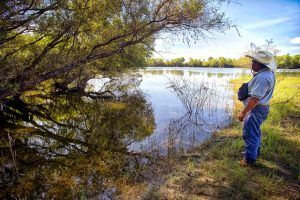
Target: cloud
295 40
290 50
265 23
232 51
228 45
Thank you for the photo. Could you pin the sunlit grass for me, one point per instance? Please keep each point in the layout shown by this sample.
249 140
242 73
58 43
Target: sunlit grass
217 175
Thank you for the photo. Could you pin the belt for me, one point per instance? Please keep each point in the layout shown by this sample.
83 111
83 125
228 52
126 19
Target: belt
261 105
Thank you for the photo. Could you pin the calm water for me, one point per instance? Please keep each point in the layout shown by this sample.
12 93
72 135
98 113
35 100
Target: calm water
177 125
200 105
79 141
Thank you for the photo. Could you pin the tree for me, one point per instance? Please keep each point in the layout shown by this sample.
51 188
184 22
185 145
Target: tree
268 46
69 41
49 50
288 61
71 145
195 62
156 62
221 62
177 62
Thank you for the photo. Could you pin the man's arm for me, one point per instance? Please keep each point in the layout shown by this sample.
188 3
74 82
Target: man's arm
253 101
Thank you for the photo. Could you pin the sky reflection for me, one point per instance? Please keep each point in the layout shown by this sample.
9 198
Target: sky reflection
176 128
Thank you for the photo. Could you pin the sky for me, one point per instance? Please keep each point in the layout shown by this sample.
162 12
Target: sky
257 21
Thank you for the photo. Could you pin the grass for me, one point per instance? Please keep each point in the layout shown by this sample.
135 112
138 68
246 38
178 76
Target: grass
211 171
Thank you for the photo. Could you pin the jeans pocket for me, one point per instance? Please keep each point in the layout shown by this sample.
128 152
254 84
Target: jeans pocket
263 112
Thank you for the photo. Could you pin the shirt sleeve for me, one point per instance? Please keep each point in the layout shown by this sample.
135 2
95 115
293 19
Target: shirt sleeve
259 88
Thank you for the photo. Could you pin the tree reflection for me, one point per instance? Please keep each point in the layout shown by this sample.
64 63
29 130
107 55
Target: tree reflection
68 145
199 100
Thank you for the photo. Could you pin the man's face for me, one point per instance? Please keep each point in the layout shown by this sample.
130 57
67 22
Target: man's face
255 66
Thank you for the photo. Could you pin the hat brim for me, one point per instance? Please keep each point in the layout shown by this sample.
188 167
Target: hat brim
272 65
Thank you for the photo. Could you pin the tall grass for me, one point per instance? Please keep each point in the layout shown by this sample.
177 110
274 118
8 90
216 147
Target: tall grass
217 175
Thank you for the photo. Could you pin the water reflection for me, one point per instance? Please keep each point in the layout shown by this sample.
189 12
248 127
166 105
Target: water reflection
70 145
189 104
55 145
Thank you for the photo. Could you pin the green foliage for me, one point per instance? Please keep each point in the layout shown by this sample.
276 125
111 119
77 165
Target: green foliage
71 144
72 40
215 172
60 138
288 62
283 62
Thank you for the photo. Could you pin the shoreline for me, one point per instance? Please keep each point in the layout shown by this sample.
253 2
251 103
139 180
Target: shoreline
294 70
210 170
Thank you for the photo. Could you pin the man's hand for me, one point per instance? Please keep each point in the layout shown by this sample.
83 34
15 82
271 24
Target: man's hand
242 116
251 104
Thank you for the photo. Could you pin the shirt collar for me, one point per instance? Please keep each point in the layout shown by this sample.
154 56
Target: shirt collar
260 71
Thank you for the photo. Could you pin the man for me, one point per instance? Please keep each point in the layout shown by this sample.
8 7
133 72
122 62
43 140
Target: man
256 110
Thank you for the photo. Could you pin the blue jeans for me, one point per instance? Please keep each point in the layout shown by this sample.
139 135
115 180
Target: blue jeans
252 132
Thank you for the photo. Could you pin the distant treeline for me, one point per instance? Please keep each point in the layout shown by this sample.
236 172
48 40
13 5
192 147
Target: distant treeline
285 62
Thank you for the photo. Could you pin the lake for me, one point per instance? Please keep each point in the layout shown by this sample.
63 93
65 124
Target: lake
119 124
189 105
179 127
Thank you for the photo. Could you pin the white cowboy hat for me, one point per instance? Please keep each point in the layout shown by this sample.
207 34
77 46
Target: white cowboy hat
265 58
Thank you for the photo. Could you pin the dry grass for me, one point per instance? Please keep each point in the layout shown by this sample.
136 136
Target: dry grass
210 171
